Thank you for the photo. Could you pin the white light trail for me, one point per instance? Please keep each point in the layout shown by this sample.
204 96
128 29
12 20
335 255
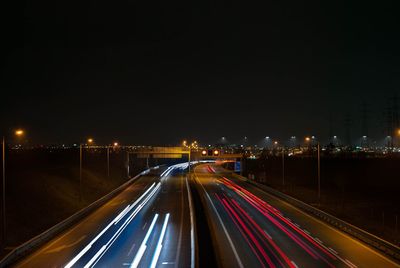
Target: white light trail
159 245
115 220
143 246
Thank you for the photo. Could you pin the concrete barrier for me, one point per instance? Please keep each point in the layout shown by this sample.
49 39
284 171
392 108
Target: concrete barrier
47 235
383 246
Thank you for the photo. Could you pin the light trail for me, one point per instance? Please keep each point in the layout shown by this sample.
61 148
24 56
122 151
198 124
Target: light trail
152 188
143 246
159 244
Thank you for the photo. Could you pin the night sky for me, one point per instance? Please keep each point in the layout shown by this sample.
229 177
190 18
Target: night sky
146 72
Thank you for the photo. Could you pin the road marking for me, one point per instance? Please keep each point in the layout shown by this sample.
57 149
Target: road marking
333 251
144 226
80 254
128 221
323 224
267 234
159 244
192 246
223 226
294 264
95 257
143 246
319 241
131 249
350 263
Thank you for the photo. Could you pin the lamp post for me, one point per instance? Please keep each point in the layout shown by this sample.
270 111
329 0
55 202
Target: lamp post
3 210
18 133
89 141
308 140
115 144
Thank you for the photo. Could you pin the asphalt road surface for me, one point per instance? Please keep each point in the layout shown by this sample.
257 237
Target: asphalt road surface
254 229
147 225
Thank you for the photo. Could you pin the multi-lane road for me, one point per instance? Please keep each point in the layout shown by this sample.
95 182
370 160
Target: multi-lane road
152 222
255 229
147 225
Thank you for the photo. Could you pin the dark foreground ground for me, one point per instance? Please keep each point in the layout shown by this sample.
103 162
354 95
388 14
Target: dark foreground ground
362 191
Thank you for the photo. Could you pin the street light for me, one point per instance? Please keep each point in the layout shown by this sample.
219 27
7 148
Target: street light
89 141
307 139
18 133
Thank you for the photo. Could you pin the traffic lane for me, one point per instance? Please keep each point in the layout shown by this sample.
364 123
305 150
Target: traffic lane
278 236
144 242
348 248
248 228
90 255
231 246
59 250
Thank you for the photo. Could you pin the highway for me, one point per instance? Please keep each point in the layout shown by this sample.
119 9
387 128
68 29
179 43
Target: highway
151 224
147 225
254 229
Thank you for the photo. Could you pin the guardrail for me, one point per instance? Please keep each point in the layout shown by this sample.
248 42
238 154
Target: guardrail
383 246
47 235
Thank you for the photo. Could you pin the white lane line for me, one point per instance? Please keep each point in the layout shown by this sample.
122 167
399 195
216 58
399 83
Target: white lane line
144 226
295 265
85 249
333 251
121 215
350 263
95 257
270 237
127 222
159 244
223 227
307 232
143 246
192 246
318 240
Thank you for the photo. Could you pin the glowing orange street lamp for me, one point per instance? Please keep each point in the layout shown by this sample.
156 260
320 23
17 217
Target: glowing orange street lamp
90 140
307 139
19 132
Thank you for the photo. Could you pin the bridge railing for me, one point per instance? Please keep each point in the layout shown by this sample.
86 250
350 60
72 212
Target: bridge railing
383 246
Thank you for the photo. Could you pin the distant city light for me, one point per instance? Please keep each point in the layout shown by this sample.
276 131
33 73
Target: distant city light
307 139
90 140
115 143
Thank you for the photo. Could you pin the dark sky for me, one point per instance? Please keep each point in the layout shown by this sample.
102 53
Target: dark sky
147 72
